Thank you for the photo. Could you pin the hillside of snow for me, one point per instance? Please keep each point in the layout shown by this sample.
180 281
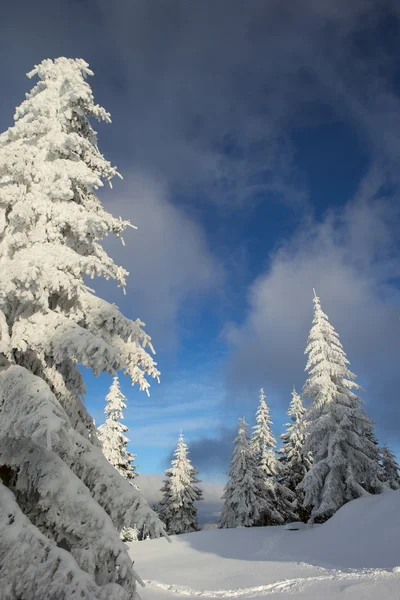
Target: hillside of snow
356 554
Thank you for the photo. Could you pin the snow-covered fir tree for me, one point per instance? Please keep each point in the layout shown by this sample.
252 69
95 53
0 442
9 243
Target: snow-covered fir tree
390 468
114 444
263 441
339 432
180 492
112 433
243 494
279 501
263 444
62 504
295 462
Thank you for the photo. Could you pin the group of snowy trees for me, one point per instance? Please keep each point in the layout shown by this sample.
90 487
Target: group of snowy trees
62 504
260 488
177 508
329 455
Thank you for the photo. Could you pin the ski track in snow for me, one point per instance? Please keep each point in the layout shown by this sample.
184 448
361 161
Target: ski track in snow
287 585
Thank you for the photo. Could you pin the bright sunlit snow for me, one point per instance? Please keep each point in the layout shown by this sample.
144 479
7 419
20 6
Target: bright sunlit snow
352 556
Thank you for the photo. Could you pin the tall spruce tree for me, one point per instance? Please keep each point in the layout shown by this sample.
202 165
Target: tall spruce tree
62 504
339 432
244 494
390 468
180 492
279 501
114 444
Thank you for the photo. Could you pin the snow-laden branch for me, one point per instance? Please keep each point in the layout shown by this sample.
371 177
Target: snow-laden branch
42 449
34 566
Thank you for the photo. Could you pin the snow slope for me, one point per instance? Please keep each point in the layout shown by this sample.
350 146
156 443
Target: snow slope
352 556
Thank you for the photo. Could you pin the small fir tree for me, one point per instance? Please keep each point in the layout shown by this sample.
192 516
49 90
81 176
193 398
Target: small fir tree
390 468
278 499
243 494
112 434
295 462
339 432
180 492
114 444
263 441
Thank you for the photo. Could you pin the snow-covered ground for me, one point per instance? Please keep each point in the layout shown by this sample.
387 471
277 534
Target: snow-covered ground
353 556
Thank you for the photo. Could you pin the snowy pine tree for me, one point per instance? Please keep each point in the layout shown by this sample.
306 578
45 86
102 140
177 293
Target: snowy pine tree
295 462
339 432
180 492
244 491
112 433
278 499
114 444
263 441
390 468
62 504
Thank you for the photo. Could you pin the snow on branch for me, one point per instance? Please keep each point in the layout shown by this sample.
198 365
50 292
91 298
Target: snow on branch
89 483
32 564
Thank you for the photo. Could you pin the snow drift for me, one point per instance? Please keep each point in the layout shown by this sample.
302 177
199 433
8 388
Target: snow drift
357 550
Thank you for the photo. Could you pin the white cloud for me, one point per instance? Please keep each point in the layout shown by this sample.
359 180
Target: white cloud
165 433
150 484
189 402
352 260
171 267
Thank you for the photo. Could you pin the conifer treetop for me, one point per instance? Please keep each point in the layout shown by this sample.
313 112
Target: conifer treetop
243 493
262 435
50 169
112 433
340 434
263 441
180 492
115 400
296 412
390 468
327 360
182 472
294 460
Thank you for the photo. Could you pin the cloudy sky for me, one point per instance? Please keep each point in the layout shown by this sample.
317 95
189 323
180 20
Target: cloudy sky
259 142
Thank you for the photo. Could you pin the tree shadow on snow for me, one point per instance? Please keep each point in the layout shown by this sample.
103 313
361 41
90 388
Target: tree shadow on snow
365 533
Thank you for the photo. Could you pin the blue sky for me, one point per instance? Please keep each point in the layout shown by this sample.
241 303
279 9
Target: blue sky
260 148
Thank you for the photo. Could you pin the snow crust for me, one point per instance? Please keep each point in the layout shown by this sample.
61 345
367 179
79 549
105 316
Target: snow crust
353 555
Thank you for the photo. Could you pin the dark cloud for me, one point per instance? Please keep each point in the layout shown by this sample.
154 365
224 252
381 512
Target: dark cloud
213 454
215 88
205 94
